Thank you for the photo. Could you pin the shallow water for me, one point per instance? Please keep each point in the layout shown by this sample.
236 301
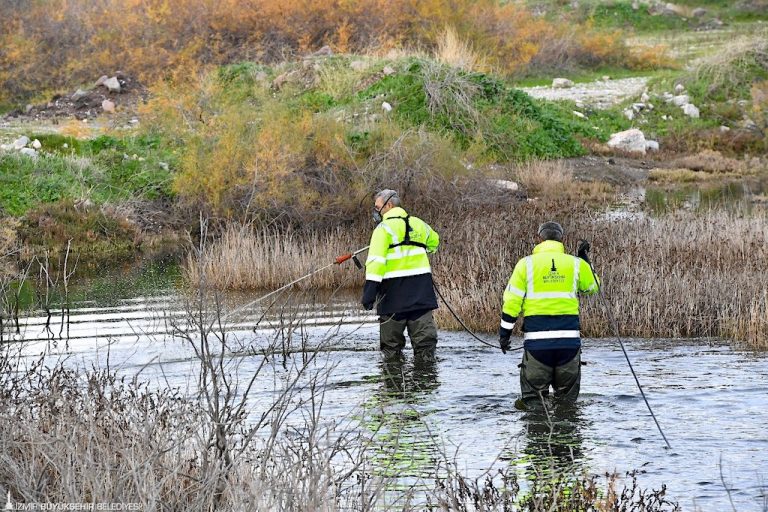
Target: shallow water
711 401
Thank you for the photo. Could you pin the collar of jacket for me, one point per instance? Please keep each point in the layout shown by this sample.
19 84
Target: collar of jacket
395 212
549 246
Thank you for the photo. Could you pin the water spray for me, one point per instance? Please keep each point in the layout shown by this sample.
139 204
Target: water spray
615 327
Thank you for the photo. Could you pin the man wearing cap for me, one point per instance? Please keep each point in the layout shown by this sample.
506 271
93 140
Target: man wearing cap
398 278
544 288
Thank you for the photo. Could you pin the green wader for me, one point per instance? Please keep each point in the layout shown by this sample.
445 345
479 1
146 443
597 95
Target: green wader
422 332
536 377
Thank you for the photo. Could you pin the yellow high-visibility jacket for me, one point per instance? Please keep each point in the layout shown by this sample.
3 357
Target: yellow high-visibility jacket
397 270
544 287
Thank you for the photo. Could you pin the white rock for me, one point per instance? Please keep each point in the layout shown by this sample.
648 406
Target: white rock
644 97
386 107
606 78
36 144
28 152
134 121
562 83
388 70
632 141
358 65
108 106
506 185
629 114
691 110
113 84
681 100
651 145
6 147
724 129
79 94
101 80
163 165
65 145
28 108
637 107
679 89
579 114
21 142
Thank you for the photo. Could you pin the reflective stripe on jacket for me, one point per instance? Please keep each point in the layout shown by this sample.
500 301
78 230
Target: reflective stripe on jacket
544 287
401 277
385 262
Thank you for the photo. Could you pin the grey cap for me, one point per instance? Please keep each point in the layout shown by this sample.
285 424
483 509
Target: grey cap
551 231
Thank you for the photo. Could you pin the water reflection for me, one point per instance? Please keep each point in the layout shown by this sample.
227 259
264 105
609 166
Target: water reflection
552 443
733 196
405 447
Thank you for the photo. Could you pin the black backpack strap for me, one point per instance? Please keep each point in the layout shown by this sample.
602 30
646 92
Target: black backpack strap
407 240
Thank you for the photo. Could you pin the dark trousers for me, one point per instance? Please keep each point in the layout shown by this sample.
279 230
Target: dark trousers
536 378
421 331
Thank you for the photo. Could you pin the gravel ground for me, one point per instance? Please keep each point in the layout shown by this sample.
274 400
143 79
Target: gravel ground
599 94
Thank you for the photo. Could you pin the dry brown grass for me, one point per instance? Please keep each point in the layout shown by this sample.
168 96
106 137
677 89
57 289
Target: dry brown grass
681 275
242 259
710 161
457 52
548 178
680 176
553 180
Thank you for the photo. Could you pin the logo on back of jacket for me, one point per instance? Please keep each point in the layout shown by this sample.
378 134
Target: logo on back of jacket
553 277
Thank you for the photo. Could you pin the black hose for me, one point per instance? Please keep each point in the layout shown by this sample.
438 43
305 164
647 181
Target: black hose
615 327
465 325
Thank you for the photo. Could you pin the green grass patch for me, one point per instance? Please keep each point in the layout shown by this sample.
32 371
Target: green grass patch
477 110
102 170
621 14
89 230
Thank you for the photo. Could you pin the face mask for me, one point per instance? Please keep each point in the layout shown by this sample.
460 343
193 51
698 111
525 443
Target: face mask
377 211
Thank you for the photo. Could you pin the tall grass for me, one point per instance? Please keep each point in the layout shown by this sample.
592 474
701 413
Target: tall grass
456 52
684 274
242 259
681 275
92 437
729 73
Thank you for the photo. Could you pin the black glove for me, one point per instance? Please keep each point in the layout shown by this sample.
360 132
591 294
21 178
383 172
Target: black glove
504 343
583 250
368 306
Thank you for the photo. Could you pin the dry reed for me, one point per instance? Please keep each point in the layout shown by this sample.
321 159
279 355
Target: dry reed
456 52
685 274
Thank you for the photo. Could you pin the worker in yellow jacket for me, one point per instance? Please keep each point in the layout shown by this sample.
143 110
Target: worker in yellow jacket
398 278
544 288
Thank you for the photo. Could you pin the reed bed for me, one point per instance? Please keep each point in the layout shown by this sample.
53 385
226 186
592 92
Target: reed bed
243 259
685 274
682 275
